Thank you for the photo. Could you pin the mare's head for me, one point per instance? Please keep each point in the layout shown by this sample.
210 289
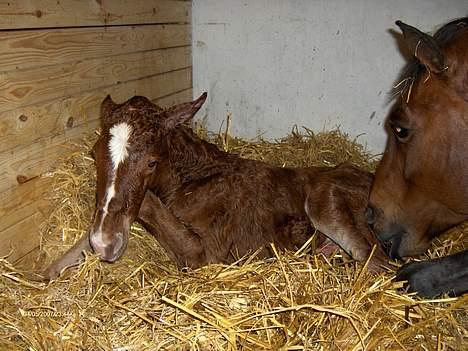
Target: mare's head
421 184
127 155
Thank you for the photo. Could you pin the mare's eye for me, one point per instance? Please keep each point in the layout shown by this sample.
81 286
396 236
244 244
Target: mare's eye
152 164
400 132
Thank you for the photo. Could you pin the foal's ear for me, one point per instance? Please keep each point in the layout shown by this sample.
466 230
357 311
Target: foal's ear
423 47
107 106
182 113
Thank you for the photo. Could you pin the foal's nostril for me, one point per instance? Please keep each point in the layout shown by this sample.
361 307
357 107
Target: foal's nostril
370 215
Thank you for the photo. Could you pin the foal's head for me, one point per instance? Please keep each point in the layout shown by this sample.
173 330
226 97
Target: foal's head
127 155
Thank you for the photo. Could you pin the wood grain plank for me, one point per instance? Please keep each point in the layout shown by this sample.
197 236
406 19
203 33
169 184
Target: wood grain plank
32 161
27 87
23 201
30 261
178 97
32 158
22 237
35 48
23 126
77 13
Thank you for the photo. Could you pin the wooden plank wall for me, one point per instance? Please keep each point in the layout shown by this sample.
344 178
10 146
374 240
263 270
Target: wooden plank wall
59 59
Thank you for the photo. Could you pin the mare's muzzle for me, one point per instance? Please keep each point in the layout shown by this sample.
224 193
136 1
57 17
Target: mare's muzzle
391 246
390 237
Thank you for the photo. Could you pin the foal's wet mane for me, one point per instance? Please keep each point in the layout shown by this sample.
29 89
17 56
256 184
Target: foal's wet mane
194 158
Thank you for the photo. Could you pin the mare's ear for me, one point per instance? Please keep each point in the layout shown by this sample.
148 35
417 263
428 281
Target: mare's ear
182 113
107 106
423 47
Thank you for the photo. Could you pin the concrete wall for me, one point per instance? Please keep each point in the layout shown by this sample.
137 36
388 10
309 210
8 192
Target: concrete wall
321 64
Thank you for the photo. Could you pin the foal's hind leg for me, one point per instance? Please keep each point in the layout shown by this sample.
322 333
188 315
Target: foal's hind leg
335 214
182 244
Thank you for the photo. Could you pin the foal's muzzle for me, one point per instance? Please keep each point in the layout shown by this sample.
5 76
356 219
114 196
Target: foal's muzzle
108 247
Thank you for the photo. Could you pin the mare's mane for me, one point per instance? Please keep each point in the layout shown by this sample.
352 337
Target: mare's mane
414 69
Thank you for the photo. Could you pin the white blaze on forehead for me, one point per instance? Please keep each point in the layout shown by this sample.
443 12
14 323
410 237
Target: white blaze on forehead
110 193
118 144
118 148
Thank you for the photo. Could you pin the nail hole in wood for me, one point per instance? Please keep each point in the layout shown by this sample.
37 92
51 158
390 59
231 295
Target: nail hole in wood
21 179
70 122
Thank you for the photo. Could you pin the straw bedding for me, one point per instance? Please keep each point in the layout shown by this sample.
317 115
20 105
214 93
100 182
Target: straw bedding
294 301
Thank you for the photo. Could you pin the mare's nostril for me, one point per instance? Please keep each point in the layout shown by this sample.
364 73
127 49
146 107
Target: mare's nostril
387 246
370 215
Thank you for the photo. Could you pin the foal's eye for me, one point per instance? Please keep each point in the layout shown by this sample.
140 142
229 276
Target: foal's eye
152 164
400 132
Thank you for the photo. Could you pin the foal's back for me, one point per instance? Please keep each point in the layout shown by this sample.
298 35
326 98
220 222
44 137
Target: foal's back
235 205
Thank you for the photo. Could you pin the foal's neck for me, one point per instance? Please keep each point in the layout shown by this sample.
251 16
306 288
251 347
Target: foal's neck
191 158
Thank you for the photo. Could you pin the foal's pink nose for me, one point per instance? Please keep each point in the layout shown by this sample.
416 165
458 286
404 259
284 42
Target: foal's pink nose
108 247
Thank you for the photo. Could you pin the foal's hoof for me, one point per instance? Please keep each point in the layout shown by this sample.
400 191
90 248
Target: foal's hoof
444 275
51 273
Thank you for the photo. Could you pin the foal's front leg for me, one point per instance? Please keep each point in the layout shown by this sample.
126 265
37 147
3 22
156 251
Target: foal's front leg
182 244
72 257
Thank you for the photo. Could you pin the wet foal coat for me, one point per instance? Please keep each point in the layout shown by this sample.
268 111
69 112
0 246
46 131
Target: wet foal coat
204 205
